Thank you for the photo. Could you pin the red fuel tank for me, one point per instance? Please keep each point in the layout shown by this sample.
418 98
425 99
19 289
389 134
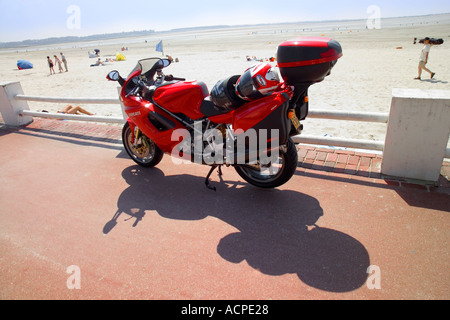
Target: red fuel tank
182 97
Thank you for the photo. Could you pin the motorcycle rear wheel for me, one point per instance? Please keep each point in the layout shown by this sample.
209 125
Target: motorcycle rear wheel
262 177
145 153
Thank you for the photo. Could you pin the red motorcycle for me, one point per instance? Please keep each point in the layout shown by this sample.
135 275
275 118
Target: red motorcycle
246 121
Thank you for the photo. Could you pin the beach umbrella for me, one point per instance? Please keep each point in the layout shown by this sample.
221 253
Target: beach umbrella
24 64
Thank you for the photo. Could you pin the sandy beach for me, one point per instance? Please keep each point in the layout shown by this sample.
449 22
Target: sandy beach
375 61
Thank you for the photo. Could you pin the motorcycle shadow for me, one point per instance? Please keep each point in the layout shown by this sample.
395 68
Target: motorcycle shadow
277 229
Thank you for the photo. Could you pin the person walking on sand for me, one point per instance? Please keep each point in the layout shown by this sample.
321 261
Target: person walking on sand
59 64
64 60
424 59
51 66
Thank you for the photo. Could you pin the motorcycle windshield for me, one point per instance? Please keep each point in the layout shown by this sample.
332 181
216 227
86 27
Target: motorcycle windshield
149 65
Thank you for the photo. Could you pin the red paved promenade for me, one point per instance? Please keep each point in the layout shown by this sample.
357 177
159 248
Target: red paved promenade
69 196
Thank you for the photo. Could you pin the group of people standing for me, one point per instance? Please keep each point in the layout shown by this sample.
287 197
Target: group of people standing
59 62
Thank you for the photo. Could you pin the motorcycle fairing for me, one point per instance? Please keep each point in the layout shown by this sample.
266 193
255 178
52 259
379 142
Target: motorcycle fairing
278 121
250 115
253 113
183 97
145 116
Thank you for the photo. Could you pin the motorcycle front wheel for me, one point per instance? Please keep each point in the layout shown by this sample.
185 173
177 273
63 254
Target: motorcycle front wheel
143 151
274 174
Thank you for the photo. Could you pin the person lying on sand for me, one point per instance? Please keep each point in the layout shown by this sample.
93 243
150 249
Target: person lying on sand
75 110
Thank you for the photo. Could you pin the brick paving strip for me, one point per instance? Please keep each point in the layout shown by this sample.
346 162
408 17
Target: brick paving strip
95 132
362 166
334 163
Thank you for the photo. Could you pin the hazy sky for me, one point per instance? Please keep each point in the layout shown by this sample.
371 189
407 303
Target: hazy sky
37 19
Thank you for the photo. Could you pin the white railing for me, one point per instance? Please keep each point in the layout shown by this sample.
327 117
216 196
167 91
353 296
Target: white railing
60 116
349 116
417 126
340 142
345 116
303 139
21 97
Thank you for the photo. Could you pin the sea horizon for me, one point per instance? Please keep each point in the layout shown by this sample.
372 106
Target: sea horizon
129 37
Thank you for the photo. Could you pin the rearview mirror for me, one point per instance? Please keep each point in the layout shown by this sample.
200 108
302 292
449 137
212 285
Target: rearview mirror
166 62
163 63
113 76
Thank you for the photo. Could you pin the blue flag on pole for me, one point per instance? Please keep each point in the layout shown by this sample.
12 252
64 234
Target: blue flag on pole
159 47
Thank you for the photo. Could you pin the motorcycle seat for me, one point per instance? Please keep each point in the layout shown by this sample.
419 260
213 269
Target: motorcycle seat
209 109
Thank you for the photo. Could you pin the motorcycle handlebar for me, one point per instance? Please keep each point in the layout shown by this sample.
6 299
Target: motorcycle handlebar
172 78
138 88
146 92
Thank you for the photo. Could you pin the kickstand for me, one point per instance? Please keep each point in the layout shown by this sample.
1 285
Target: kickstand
209 175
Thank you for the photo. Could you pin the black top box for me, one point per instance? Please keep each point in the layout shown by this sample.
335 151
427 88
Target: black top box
307 60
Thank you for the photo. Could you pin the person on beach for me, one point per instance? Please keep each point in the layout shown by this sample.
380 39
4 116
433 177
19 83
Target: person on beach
98 63
51 66
424 59
64 60
75 110
59 64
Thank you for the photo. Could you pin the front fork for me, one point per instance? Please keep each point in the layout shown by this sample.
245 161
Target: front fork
136 133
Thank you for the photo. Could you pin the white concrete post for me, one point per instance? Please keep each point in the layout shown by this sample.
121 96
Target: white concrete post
417 134
10 108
